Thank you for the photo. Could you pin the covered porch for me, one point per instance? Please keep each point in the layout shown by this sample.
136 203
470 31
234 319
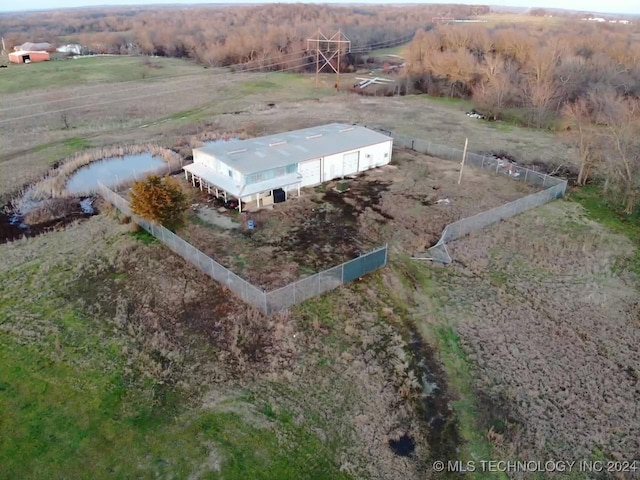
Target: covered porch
226 187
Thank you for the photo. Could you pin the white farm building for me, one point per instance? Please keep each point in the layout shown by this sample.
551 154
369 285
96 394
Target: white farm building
264 169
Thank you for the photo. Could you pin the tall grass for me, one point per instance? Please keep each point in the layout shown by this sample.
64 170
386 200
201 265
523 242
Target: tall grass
53 185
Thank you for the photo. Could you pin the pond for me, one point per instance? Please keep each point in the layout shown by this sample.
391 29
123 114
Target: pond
112 171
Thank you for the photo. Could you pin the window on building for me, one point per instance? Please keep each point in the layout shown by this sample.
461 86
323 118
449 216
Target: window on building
270 174
230 173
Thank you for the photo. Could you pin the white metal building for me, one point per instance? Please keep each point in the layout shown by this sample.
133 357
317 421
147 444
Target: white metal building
250 170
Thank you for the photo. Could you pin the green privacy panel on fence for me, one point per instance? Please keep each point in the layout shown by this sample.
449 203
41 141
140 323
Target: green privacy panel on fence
362 265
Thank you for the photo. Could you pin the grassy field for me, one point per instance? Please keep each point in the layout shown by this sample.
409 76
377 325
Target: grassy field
110 352
517 18
597 208
398 50
67 380
90 71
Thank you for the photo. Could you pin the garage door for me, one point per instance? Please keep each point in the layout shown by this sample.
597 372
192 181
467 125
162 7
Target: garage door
350 163
310 173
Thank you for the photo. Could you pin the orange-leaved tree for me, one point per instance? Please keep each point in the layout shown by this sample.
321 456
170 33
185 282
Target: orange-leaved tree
160 200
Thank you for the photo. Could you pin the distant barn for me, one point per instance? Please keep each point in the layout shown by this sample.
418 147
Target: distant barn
28 56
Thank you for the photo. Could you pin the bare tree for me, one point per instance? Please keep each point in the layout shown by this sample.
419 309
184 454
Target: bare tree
621 152
578 118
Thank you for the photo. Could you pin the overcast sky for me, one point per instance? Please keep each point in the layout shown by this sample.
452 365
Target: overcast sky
612 6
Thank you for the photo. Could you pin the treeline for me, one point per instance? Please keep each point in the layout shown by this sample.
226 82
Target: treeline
577 76
526 70
220 36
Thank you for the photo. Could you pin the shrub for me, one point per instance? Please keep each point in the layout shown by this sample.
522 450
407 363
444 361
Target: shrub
159 200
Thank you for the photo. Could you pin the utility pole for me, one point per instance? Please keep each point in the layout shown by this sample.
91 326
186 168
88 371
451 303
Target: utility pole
328 49
464 157
4 48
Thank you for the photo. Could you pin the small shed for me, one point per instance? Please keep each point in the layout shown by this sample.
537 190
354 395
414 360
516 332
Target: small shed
28 56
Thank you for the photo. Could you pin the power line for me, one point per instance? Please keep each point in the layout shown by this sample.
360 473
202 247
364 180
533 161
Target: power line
222 70
120 90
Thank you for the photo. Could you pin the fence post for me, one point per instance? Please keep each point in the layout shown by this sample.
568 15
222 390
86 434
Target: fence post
386 249
526 171
544 181
497 166
482 164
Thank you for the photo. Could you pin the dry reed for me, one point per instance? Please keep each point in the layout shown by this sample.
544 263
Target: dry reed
53 185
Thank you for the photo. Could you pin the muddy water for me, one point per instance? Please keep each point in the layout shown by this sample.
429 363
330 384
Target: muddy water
112 171
12 226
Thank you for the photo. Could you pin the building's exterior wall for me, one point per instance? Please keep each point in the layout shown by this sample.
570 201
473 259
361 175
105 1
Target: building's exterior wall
310 172
17 57
333 166
216 165
269 174
39 56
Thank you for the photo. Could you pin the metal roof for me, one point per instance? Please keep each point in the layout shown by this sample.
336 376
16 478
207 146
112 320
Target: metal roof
273 151
27 52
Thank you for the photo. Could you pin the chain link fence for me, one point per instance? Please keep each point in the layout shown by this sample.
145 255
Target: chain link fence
326 280
266 302
552 189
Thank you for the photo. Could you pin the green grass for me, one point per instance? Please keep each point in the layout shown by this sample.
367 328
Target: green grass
63 148
389 51
60 413
144 237
460 377
257 453
193 114
599 209
438 332
294 85
90 70
71 407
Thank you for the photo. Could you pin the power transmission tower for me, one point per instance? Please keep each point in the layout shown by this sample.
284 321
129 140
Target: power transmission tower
328 49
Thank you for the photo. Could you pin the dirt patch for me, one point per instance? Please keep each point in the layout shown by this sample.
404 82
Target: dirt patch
406 204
